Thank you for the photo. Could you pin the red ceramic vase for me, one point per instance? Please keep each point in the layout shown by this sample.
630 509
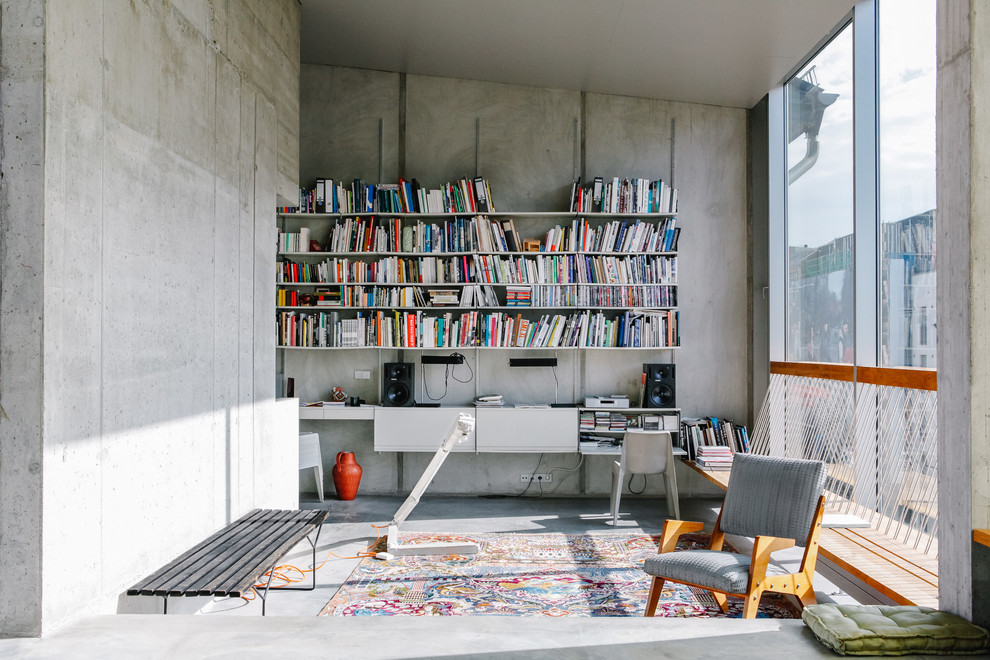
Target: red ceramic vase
346 476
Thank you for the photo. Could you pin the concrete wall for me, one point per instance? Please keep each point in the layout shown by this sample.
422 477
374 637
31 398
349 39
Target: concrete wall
22 59
963 238
137 338
531 143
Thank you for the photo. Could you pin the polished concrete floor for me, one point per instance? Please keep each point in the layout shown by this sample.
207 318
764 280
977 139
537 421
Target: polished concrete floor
233 628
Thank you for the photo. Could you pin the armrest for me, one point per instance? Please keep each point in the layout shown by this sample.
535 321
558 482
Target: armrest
672 530
763 547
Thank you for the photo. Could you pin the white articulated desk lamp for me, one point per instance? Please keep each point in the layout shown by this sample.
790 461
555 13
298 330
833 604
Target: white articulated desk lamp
461 428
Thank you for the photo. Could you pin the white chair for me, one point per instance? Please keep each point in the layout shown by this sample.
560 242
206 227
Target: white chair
311 457
646 452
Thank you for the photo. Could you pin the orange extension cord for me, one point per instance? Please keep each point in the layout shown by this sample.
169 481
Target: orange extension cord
284 572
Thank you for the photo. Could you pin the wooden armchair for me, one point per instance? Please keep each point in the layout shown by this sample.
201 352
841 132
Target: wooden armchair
778 501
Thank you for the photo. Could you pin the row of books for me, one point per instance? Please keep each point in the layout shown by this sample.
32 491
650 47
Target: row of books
623 196
461 196
388 270
614 236
611 420
713 432
640 295
482 296
584 329
483 234
485 269
576 269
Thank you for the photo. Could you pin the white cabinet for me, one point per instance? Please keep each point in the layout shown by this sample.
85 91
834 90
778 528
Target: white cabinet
418 429
521 430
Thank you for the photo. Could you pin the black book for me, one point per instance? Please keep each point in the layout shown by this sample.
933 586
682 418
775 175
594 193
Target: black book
417 204
596 195
481 194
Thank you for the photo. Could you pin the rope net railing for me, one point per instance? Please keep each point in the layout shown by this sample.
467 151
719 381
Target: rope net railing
879 442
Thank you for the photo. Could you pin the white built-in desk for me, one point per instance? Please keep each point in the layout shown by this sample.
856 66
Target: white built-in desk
338 412
506 430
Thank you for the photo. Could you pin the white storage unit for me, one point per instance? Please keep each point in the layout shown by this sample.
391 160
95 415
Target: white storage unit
525 430
418 429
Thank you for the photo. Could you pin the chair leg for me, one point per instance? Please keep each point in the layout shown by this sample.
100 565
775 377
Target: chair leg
752 604
723 602
673 489
617 476
670 492
319 481
807 595
656 587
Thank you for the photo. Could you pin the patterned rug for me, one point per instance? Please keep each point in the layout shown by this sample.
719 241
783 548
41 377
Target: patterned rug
530 575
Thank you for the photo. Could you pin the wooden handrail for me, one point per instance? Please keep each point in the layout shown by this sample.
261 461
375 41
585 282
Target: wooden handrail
826 370
917 379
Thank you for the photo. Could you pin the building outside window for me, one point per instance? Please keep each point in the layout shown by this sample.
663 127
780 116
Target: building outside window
906 110
819 209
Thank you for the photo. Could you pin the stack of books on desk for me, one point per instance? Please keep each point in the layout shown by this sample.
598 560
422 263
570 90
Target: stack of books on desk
715 458
587 421
590 443
489 401
617 422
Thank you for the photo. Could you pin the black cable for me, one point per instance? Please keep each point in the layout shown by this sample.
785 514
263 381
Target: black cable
531 480
448 373
629 486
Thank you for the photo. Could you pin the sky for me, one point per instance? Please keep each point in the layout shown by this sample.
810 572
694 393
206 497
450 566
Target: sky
820 203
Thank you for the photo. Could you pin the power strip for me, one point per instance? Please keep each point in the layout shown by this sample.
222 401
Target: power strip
542 477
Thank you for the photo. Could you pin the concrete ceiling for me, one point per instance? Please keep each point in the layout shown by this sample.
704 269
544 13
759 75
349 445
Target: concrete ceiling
722 52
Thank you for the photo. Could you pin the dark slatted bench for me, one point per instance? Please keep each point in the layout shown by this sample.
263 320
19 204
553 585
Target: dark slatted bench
233 559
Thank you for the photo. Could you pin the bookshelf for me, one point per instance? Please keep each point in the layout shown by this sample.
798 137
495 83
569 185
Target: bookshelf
476 282
461 280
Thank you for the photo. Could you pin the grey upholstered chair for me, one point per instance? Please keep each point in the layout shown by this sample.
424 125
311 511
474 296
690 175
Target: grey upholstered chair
778 501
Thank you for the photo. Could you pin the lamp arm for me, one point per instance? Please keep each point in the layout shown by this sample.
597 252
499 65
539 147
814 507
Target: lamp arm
459 430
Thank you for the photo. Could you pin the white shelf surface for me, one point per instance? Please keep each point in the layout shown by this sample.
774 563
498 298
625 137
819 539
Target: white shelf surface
501 214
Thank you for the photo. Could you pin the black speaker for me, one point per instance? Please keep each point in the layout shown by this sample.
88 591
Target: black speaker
658 387
397 384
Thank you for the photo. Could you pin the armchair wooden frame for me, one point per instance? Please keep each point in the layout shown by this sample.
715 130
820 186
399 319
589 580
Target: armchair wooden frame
798 584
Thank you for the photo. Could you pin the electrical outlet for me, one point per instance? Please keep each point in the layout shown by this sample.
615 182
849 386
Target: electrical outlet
542 477
362 375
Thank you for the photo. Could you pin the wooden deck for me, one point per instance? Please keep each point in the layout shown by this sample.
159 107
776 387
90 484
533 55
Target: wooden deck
899 572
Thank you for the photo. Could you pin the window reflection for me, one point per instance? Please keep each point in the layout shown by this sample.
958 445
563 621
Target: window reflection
820 206
907 183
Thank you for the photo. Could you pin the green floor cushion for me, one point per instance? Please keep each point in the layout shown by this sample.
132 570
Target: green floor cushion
893 630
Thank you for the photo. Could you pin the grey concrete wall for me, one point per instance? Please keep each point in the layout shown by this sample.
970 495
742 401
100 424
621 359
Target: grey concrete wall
530 143
143 336
959 442
22 60
759 240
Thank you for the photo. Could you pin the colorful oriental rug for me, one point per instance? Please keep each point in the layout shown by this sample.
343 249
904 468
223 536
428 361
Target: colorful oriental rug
530 575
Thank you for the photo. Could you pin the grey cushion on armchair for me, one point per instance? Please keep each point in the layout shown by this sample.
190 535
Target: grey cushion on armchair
712 569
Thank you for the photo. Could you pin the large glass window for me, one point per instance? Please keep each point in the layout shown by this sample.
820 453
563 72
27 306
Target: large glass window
819 211
906 107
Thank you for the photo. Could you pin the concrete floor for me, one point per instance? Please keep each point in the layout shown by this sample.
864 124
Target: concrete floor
233 628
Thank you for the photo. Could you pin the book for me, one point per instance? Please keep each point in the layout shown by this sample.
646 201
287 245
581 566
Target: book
596 195
481 195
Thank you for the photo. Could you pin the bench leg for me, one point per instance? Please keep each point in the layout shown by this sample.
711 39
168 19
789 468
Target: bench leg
165 610
271 574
